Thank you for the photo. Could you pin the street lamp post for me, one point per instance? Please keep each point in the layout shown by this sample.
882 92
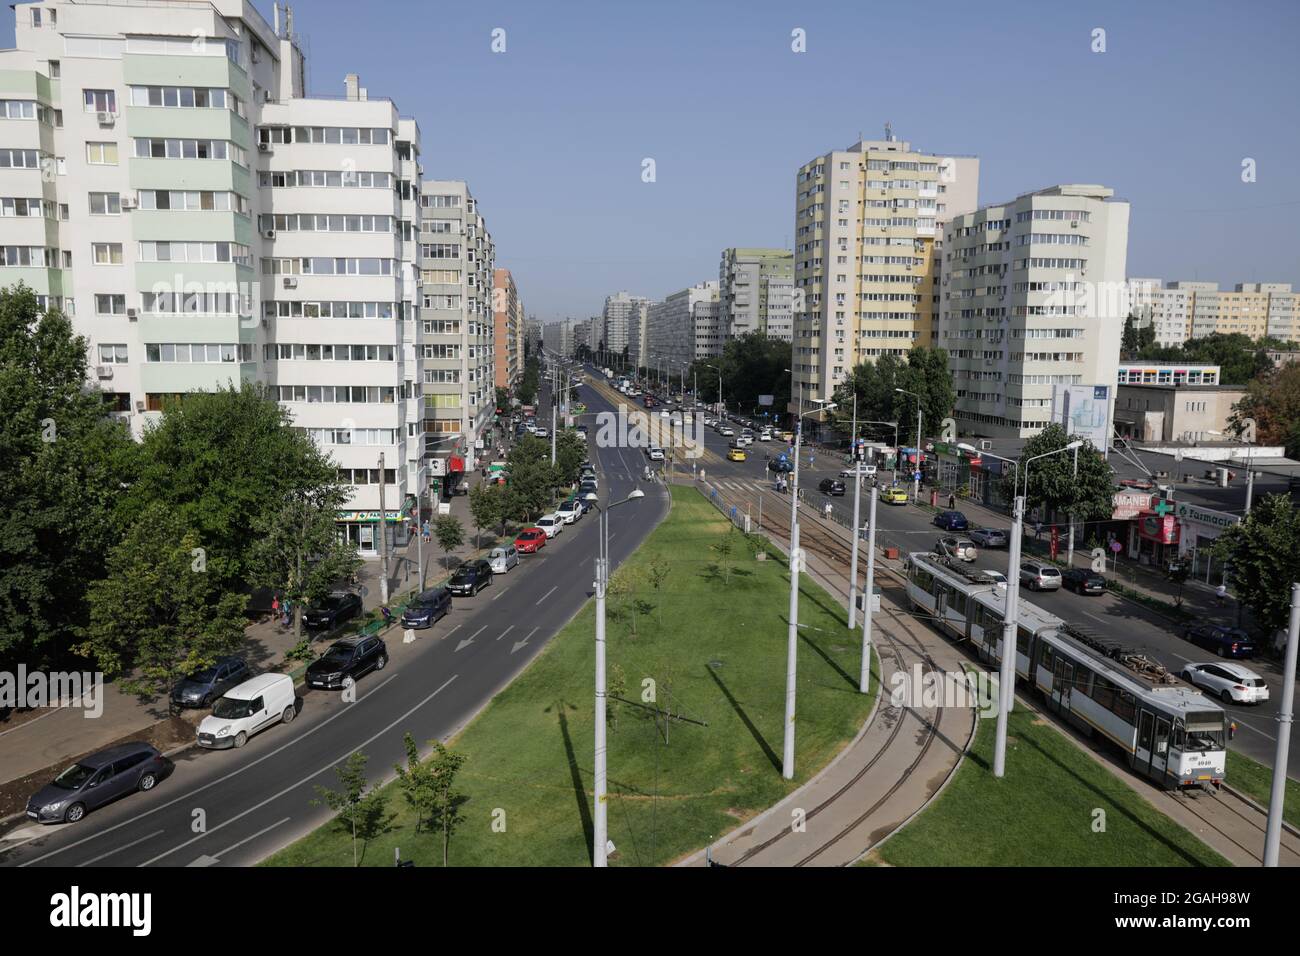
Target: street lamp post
722 406
916 482
600 827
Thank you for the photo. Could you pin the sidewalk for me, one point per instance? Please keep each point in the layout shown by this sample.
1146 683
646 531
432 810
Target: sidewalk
56 736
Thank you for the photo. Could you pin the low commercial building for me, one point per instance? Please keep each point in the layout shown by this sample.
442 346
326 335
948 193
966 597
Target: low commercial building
1175 413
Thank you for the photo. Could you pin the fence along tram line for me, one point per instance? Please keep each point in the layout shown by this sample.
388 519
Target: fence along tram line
1169 732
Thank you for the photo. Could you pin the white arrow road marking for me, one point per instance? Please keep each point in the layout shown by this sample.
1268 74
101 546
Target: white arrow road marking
293 786
524 642
505 632
118 849
470 640
546 595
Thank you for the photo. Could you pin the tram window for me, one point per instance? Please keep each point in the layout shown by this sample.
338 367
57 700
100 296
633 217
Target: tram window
958 603
1162 736
923 578
1045 655
1022 641
1103 692
1144 731
1178 735
1125 706
1082 678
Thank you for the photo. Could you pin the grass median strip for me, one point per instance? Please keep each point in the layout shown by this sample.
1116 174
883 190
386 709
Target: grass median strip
1255 780
697 635
1046 811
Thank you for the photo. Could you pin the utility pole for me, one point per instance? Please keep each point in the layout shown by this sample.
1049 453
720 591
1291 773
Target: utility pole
1007 672
857 495
600 826
1069 550
792 637
554 376
868 596
383 535
1273 829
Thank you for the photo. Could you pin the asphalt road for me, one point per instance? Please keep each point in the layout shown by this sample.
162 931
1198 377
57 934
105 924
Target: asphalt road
911 529
256 800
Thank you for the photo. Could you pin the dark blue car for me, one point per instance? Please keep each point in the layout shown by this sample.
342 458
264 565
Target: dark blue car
1224 641
951 521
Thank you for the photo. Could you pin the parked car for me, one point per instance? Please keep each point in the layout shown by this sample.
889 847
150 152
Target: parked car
1231 683
894 496
249 709
1039 576
989 537
96 780
552 524
960 548
203 687
470 578
951 521
338 607
569 511
427 607
994 577
735 454
831 486
346 660
655 452
530 540
503 558
1084 581
1223 640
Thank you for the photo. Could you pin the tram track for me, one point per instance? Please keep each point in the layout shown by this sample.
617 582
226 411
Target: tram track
1227 812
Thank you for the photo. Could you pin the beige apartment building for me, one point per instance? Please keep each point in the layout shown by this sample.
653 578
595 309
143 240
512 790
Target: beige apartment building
869 224
1034 301
756 287
1183 310
508 330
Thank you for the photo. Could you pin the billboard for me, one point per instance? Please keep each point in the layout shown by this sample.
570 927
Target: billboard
1083 410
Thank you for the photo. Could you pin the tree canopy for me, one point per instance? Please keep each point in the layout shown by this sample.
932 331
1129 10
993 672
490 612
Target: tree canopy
1263 558
925 372
1054 486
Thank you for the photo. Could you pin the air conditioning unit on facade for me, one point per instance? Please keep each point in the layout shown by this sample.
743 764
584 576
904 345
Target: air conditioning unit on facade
104 371
268 233
290 283
264 148
986 445
132 315
129 203
105 118
139 406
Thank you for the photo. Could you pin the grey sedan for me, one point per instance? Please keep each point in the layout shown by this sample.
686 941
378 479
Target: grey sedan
988 537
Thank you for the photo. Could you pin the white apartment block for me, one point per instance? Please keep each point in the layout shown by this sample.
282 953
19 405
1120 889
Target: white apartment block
673 326
559 337
1034 297
1184 310
457 343
869 226
756 287
1167 309
636 334
508 329
617 321
205 222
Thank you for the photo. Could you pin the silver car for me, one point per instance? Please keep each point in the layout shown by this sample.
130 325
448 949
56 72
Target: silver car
503 558
959 548
1040 577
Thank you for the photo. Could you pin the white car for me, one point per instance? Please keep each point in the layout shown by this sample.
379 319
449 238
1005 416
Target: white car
1232 683
726 431
744 440
552 524
503 558
543 433
570 511
656 453
994 577
765 435
245 710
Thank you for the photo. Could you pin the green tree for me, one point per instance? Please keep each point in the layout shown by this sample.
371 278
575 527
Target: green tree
228 461
1273 400
1263 557
1053 485
530 488
924 371
1138 336
450 535
723 548
444 765
1239 357
484 509
503 398
300 552
358 805
159 614
416 783
657 572
63 465
570 453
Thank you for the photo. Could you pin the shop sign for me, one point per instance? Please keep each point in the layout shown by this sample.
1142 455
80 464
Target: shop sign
1129 504
369 517
1161 528
1206 516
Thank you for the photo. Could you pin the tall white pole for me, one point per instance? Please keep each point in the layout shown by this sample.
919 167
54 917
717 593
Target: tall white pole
792 637
868 596
599 830
1007 672
1069 555
1273 829
857 489
383 536
916 486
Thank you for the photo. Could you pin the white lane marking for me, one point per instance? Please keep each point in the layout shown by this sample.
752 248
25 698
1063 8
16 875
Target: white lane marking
470 640
187 796
119 849
499 593
505 632
524 642
236 846
546 595
294 786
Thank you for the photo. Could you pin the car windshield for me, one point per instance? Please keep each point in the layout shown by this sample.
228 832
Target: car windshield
427 599
232 708
203 676
74 777
338 653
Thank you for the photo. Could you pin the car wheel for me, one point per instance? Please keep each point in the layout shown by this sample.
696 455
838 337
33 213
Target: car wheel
1225 696
241 738
289 714
1219 651
74 813
205 700
381 663
148 781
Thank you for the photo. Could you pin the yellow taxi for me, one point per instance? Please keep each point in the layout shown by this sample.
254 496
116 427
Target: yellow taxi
735 454
787 436
894 496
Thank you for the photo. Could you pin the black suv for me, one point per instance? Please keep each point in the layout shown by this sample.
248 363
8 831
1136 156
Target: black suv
428 607
470 578
202 688
831 486
1223 640
1084 581
96 780
332 611
346 660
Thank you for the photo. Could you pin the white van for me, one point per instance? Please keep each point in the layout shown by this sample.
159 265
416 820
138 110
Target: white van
247 709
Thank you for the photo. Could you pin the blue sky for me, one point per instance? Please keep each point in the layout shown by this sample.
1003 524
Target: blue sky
551 133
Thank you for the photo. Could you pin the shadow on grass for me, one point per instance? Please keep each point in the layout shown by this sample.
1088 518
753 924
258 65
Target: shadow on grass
772 758
575 775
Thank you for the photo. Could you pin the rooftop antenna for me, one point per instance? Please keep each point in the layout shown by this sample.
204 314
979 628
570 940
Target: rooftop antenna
889 132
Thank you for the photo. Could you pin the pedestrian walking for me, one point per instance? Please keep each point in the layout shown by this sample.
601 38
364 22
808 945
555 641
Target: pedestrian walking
285 613
388 615
1221 595
952 502
827 511
1038 530
275 606
1232 729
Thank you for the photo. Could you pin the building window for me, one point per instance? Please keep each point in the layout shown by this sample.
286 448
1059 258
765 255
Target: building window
105 204
110 304
106 253
101 154
99 101
112 355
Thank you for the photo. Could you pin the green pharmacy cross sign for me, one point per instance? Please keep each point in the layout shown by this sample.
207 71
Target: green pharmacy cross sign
1164 506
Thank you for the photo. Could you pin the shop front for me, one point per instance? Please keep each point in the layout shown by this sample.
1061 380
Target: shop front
361 528
1201 528
1153 538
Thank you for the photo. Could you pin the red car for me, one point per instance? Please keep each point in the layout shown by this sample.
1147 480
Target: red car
530 541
